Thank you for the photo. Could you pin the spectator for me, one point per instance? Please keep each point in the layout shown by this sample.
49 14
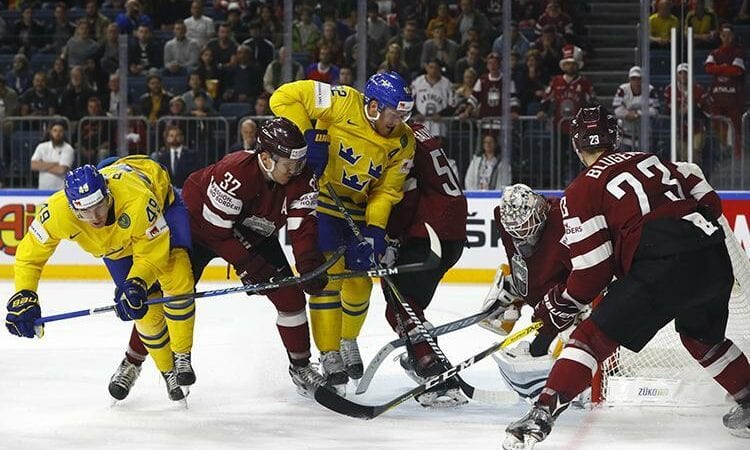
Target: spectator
555 17
143 52
377 29
486 100
223 46
8 100
661 22
261 106
19 77
196 84
245 80
96 77
261 49
394 62
98 23
442 48
323 70
463 93
272 76
484 169
518 42
470 18
80 46
201 107
726 64
29 34
471 60
248 130
58 76
305 34
180 53
700 102
131 19
96 134
472 38
155 102
59 31
346 76
199 27
53 159
444 19
549 45
268 26
565 95
628 105
411 47
109 59
74 98
179 160
331 38
111 100
236 24
433 98
38 100
705 25
534 82
210 72
170 12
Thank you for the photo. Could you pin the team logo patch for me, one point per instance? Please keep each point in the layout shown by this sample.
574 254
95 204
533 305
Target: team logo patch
123 221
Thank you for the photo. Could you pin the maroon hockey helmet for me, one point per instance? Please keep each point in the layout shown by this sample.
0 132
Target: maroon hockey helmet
281 138
594 128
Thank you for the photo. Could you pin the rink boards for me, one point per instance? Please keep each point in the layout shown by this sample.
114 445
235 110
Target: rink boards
482 255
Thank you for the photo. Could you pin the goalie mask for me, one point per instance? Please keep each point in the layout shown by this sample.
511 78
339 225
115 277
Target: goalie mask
523 212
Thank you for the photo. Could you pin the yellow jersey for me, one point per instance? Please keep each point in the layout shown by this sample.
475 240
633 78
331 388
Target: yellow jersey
364 168
141 190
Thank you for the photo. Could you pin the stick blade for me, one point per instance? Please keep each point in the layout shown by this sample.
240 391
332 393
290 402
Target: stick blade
341 405
435 247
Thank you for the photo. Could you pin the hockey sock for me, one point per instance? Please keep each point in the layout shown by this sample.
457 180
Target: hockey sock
136 353
325 320
725 362
576 365
355 301
390 315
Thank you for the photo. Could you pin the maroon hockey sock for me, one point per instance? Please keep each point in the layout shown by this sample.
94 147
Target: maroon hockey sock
292 322
136 352
725 362
579 360
296 340
390 315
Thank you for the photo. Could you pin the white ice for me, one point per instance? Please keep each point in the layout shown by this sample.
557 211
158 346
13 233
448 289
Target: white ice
53 391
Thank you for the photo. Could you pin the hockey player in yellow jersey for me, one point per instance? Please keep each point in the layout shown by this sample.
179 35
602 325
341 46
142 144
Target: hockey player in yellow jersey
362 147
129 215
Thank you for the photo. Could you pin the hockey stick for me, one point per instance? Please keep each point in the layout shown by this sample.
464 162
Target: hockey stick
250 288
344 406
386 350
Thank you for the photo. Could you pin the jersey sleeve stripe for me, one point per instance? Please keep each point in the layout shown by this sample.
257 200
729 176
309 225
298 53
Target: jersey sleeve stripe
214 219
293 223
739 63
593 257
577 233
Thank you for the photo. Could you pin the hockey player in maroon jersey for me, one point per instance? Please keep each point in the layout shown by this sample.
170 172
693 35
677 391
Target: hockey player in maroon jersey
431 195
237 206
633 216
727 65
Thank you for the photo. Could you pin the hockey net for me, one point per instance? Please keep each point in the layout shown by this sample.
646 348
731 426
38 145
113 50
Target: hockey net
664 373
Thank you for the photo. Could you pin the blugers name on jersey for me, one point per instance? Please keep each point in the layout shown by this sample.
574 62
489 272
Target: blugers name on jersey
233 207
431 194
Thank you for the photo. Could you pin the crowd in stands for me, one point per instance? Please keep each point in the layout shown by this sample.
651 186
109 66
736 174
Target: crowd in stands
202 59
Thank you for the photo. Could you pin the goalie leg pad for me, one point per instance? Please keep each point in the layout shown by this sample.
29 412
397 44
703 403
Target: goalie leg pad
523 373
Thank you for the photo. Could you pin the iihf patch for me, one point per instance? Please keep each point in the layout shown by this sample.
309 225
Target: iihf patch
157 228
123 221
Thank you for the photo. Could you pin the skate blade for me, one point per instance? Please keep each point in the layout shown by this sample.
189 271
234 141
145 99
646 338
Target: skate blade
513 443
183 403
741 433
444 400
185 390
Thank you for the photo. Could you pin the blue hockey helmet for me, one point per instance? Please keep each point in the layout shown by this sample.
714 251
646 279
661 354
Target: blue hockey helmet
86 190
390 91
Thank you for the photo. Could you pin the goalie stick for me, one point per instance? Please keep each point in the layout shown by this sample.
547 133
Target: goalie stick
347 407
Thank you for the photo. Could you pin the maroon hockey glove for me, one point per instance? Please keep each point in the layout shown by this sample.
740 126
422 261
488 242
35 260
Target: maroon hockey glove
556 311
308 263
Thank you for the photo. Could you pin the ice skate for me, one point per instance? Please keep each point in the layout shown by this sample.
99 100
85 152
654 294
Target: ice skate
123 379
334 371
534 427
306 378
173 389
184 371
737 420
447 394
352 359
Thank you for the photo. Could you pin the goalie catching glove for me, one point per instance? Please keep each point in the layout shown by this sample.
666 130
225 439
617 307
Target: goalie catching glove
503 302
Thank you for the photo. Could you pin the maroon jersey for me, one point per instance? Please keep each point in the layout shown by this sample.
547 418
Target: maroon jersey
605 208
567 97
727 65
488 93
233 207
542 266
431 194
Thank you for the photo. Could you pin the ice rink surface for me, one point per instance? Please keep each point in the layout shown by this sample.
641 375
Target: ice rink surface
53 392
